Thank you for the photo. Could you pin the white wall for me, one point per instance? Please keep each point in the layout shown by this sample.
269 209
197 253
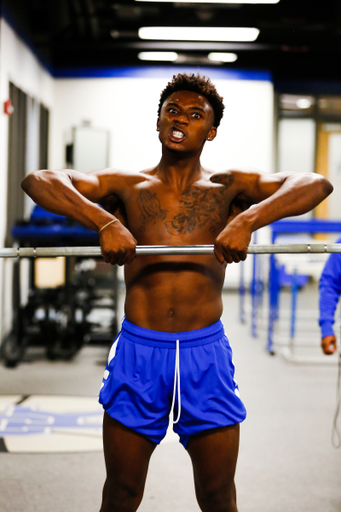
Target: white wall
245 136
296 145
20 66
127 107
296 148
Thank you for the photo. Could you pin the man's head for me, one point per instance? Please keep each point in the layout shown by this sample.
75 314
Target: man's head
200 85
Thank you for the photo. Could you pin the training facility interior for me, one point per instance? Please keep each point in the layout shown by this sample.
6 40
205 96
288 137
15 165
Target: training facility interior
288 455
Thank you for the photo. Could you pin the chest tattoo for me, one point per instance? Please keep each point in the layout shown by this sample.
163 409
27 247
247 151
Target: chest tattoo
150 207
198 206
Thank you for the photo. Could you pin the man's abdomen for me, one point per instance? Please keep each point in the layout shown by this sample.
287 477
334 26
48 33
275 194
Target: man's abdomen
173 294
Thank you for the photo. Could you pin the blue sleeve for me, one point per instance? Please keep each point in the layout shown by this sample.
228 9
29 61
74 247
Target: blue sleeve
329 293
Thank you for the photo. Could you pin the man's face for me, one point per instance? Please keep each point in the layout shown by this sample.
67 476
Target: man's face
186 121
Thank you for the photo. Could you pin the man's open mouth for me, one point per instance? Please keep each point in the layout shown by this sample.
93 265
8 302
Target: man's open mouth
177 135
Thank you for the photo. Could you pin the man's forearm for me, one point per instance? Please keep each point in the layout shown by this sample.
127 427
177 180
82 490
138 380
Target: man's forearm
53 191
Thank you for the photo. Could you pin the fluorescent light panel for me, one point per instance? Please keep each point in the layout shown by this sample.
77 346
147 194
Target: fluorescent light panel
303 103
214 1
160 56
199 33
222 57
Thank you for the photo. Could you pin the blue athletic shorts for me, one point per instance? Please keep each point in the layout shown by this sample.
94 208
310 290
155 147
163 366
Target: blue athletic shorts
152 376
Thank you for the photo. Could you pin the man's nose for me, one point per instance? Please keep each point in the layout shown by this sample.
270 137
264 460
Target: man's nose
182 118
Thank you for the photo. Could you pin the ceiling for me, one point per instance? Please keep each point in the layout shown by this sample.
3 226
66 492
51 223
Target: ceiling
297 41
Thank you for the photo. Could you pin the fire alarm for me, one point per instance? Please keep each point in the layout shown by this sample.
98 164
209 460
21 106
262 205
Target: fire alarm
8 108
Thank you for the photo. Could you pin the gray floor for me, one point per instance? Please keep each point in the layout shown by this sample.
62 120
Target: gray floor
286 463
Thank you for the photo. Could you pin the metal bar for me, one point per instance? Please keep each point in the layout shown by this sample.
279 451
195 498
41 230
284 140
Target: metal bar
170 250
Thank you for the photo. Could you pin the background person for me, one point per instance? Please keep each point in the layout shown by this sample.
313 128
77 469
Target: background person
329 294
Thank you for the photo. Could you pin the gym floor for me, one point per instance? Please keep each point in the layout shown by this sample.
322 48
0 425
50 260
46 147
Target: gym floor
286 461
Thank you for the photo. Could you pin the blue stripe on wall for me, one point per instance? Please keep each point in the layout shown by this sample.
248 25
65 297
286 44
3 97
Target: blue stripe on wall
160 72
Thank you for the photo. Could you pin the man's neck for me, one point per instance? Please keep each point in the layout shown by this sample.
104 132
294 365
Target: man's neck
179 171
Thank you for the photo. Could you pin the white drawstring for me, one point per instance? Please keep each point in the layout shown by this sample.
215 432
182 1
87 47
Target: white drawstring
176 383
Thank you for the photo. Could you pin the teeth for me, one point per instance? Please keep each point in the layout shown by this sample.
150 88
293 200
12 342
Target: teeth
177 134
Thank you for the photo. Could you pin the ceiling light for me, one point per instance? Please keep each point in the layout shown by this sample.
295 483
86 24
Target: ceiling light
214 1
303 103
158 56
222 57
199 33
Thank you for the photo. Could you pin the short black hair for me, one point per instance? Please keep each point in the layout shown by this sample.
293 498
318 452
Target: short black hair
199 84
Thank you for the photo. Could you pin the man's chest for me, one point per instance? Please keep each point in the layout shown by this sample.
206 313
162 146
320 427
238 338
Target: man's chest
157 212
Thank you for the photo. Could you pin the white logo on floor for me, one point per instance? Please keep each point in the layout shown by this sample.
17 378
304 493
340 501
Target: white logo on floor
41 423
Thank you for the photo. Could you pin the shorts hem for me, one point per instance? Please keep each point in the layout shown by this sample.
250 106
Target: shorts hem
184 439
136 430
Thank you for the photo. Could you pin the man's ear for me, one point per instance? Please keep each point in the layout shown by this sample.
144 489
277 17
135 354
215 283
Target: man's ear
158 125
212 133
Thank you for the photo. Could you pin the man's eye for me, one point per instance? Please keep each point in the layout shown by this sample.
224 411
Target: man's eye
196 115
172 110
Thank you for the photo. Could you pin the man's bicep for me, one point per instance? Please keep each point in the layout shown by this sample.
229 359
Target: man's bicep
255 186
94 185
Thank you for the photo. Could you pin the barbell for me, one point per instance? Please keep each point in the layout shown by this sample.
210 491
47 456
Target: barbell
170 250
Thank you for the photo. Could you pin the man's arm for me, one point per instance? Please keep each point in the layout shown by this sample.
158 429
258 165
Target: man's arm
329 294
76 196
272 197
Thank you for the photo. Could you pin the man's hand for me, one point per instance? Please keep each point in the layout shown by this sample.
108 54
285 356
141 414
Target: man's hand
118 244
328 344
232 243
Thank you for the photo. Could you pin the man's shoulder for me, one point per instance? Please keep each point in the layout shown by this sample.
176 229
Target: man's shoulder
126 177
235 173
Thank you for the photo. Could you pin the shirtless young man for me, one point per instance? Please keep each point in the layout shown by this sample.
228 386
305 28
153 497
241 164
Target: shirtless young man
173 303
